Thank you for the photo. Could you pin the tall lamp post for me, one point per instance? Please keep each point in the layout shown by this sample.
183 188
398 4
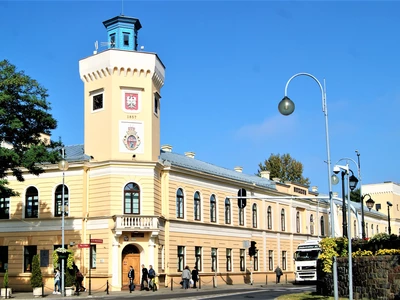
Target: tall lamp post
286 107
351 185
63 166
389 204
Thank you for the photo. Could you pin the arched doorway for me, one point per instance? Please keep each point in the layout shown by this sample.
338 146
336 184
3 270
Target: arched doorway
130 257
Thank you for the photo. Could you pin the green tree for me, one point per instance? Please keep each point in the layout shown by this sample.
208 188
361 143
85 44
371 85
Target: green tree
24 116
36 276
355 195
284 167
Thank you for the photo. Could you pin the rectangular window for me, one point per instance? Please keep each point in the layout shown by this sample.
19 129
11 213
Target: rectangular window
181 258
112 40
126 39
93 254
271 260
255 261
242 259
284 260
4 208
229 259
198 263
29 252
97 102
156 103
214 261
3 258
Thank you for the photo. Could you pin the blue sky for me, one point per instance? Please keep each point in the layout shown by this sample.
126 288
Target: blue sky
227 63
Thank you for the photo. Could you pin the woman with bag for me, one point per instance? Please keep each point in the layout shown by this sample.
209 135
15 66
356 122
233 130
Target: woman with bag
57 282
195 276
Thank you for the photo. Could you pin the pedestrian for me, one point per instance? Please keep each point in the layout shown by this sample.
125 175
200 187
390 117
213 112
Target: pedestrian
131 276
79 280
152 274
186 277
195 276
144 283
278 273
57 281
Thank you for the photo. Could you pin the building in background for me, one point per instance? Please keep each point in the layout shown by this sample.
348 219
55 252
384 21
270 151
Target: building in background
133 201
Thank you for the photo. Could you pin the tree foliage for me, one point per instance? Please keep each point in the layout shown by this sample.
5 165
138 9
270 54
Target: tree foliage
284 167
24 116
36 276
355 195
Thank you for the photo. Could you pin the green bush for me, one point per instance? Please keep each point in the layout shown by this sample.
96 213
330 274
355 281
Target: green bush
36 276
5 279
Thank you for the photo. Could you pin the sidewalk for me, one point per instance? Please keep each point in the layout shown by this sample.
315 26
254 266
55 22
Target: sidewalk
163 290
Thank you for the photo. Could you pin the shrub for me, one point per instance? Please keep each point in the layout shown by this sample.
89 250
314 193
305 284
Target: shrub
5 279
36 276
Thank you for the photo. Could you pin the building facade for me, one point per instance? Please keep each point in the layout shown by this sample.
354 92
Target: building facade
130 201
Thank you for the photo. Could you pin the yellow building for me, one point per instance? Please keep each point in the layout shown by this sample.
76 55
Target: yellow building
133 201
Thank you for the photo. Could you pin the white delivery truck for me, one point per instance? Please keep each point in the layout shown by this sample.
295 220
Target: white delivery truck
305 261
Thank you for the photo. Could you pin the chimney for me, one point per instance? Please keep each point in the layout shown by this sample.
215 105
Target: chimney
190 154
265 174
238 169
166 148
314 189
276 179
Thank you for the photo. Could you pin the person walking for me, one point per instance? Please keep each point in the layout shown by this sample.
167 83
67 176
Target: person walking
144 283
278 273
57 281
186 277
131 276
195 276
152 274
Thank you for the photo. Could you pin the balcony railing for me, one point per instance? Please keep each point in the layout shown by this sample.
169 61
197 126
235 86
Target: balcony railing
136 223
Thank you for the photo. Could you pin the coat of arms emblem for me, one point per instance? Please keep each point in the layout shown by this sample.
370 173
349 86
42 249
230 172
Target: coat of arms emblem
132 101
131 139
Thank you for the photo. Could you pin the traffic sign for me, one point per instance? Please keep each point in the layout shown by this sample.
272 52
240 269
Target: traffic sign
83 245
96 241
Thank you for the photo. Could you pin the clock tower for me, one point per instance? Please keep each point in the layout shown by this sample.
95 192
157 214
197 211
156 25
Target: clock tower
122 97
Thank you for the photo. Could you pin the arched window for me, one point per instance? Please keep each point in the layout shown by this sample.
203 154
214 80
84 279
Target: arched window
227 211
242 193
179 203
132 199
31 203
213 209
254 213
197 209
298 222
377 229
372 229
283 223
269 217
312 224
322 224
58 201
4 209
366 230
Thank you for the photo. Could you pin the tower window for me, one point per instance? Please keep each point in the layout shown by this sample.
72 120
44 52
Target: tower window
126 39
98 102
112 40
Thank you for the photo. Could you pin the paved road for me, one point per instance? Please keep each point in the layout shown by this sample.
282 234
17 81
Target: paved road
268 292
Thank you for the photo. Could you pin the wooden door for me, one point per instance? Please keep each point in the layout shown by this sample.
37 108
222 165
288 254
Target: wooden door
131 259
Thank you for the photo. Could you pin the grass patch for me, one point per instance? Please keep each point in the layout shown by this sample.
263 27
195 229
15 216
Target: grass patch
306 296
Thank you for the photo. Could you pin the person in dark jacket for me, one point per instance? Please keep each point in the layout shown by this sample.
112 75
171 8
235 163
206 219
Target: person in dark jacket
131 276
279 273
144 283
195 276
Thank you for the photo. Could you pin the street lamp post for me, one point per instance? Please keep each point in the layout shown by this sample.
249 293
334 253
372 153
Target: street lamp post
361 198
351 185
63 166
389 204
286 107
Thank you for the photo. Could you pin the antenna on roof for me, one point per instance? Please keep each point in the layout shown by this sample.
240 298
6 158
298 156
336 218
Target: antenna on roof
122 7
96 47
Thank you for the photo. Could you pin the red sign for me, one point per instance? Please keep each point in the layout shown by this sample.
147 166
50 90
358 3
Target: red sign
96 241
83 245
132 101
